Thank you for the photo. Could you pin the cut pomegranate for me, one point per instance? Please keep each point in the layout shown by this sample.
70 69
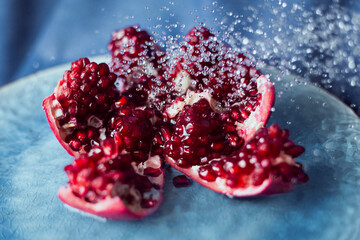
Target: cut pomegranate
263 166
114 186
202 117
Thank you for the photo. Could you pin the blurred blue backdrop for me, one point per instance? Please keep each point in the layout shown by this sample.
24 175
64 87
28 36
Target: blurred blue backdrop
37 34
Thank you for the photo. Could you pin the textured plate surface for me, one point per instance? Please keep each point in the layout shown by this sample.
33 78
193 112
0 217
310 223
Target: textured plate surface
327 207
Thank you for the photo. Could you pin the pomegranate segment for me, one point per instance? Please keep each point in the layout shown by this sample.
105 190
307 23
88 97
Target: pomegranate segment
134 54
114 186
228 80
77 110
263 166
199 56
141 66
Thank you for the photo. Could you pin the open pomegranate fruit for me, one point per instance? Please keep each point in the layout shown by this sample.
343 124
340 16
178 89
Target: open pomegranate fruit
202 111
112 185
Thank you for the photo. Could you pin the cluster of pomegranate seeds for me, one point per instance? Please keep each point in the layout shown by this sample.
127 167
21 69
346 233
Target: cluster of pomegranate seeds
199 135
153 91
234 82
268 155
140 65
134 53
97 175
132 129
85 94
200 52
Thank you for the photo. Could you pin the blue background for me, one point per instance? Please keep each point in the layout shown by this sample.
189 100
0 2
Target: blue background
37 34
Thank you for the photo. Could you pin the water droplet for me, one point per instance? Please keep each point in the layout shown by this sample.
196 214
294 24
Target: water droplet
36 65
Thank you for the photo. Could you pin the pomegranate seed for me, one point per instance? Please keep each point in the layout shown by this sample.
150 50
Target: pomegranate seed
259 176
82 136
217 146
148 203
82 190
244 114
91 196
121 102
235 114
295 151
103 69
181 181
207 174
152 172
75 144
93 67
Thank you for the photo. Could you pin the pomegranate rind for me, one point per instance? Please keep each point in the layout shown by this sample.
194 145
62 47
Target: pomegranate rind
258 118
47 106
269 186
111 208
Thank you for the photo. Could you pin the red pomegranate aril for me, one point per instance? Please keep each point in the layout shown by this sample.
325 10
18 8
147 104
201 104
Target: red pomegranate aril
259 176
181 181
295 151
75 145
122 101
217 146
235 114
92 67
152 172
218 168
98 183
207 174
231 168
244 114
148 203
80 191
103 69
90 196
82 136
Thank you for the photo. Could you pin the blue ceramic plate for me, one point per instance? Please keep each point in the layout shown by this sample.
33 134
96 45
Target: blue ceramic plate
327 207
